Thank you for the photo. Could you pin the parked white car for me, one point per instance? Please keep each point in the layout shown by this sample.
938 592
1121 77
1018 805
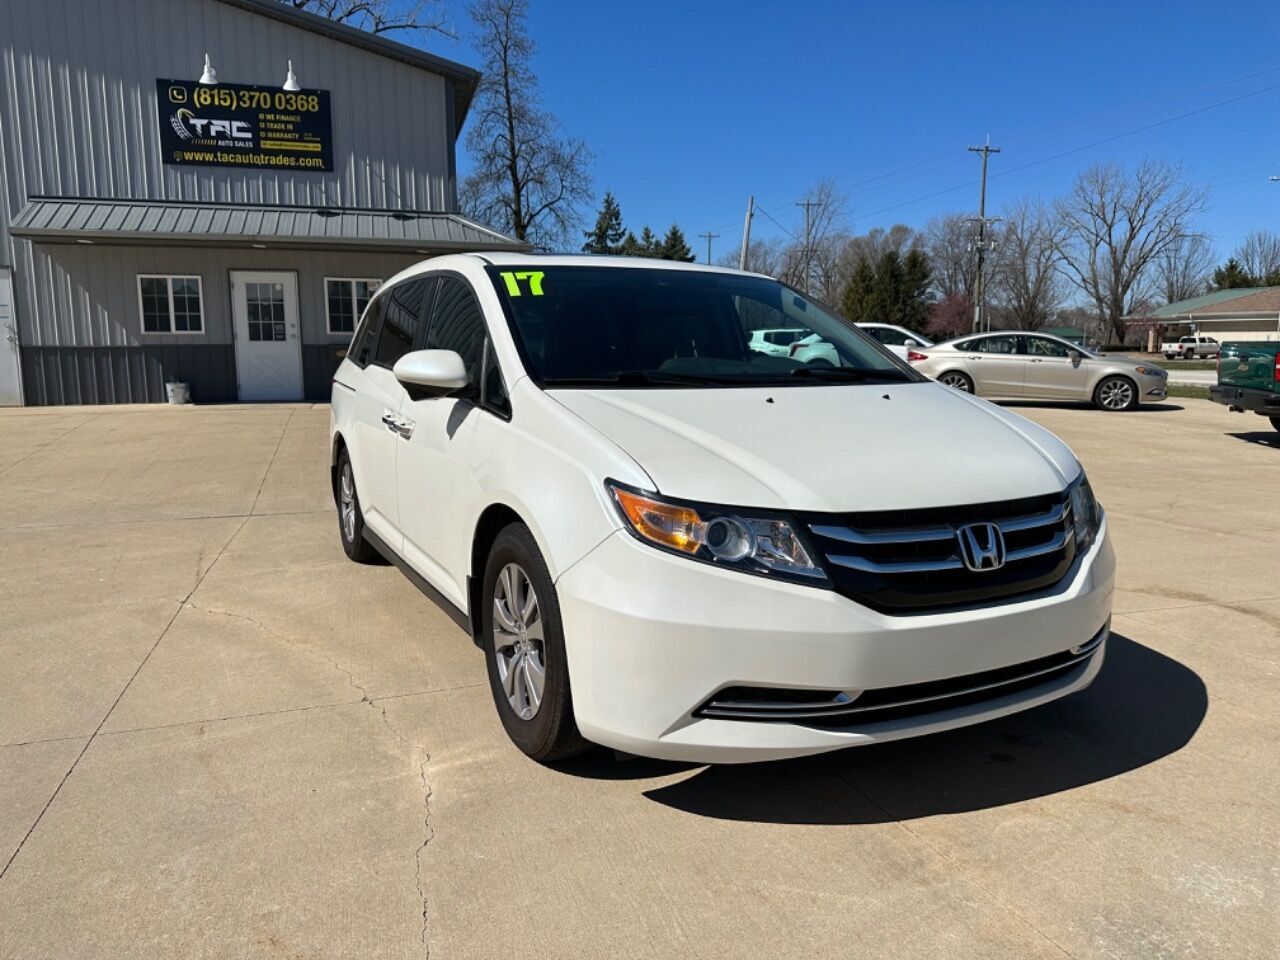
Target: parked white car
1188 348
648 530
776 343
897 340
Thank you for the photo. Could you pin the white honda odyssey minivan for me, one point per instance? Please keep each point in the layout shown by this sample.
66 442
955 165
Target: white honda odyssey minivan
671 544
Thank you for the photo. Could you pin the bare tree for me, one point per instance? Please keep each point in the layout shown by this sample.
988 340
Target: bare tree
1116 224
1185 267
763 256
815 267
528 180
1025 280
948 241
381 16
1259 254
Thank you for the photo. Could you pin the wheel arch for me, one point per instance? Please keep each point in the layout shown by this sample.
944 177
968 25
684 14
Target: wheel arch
489 524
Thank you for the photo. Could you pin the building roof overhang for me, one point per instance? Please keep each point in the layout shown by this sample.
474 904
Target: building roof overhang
180 223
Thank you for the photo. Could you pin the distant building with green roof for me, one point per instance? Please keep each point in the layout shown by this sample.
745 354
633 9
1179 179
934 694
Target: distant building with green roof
1246 313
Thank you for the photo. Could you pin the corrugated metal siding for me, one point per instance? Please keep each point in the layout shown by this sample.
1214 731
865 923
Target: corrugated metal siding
78 112
88 295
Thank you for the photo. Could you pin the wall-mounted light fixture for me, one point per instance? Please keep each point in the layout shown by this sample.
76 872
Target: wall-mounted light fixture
291 81
210 76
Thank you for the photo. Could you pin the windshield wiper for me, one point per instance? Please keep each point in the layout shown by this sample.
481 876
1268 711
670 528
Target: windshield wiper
852 374
628 378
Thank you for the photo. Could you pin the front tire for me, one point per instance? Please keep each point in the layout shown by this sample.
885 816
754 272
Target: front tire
350 516
524 646
957 381
1275 423
1115 394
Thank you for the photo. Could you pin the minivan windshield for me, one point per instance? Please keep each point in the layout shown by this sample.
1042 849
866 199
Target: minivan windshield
637 327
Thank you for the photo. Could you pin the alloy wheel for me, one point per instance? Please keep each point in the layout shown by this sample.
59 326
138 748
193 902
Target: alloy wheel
956 381
1116 394
519 641
347 501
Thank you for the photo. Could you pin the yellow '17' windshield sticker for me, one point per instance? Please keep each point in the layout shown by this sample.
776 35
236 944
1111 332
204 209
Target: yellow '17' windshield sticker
532 277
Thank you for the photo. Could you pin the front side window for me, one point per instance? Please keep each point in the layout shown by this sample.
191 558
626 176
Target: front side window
170 304
1044 347
345 300
404 304
457 323
654 327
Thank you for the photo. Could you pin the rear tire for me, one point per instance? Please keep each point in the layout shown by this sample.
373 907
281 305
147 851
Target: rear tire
350 516
1115 394
523 639
957 381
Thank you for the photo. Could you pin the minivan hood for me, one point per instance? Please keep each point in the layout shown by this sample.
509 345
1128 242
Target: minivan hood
824 448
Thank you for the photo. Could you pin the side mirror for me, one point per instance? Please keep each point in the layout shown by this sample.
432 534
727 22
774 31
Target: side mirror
1075 355
431 373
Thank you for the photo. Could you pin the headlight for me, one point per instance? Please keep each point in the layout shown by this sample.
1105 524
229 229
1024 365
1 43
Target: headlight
1086 514
741 540
1151 371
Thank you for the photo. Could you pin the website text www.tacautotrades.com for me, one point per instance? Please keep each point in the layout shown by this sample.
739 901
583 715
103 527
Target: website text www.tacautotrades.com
256 159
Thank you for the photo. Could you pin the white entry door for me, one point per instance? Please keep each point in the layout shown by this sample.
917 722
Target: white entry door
10 374
268 343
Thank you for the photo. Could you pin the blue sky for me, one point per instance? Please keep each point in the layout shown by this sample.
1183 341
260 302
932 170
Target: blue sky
689 107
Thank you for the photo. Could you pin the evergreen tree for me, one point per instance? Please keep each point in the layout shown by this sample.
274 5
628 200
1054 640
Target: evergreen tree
675 247
645 246
856 302
1232 276
608 233
892 289
648 243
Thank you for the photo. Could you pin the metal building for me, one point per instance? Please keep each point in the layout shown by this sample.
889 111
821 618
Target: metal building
222 225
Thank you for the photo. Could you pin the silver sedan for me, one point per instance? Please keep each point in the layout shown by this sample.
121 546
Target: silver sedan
1036 365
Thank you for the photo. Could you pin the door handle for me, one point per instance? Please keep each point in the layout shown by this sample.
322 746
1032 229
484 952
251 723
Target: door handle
403 428
391 422
1036 360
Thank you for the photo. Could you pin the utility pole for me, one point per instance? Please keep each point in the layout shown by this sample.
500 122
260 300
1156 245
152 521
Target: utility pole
805 259
979 290
746 233
710 236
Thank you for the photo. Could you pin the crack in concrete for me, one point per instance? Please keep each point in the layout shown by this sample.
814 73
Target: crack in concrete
428 830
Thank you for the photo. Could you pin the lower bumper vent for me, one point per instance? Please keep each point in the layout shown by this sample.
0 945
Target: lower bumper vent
834 708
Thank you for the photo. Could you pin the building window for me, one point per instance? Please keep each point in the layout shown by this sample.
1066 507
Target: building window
345 300
170 304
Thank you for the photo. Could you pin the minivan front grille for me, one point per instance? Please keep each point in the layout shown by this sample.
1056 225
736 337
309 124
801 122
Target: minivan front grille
910 561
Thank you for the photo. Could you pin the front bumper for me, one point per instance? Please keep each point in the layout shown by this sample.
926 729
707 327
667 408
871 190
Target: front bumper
1152 389
651 637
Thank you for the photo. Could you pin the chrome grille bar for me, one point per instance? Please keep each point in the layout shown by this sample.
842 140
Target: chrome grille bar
896 566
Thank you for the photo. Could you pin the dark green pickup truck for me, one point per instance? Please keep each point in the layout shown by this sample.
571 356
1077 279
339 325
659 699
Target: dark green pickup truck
1249 378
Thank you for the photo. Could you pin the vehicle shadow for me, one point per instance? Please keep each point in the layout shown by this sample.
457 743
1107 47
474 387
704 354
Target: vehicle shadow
1142 707
1081 405
1263 438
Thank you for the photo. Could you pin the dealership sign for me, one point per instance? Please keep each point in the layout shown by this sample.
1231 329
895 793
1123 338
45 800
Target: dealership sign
233 125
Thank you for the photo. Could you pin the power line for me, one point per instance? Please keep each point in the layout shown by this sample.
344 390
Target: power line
1073 150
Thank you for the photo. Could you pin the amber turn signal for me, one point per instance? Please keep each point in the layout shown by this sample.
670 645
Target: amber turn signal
676 527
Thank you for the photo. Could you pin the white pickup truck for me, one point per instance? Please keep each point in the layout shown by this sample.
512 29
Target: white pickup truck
1187 348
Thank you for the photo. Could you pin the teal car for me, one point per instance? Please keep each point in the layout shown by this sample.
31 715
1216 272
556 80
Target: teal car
1249 378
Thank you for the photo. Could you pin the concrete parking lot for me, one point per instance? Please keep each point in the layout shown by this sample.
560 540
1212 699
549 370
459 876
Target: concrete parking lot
218 738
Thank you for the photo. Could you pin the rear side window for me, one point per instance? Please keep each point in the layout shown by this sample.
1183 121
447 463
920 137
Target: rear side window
457 324
888 335
991 345
404 303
